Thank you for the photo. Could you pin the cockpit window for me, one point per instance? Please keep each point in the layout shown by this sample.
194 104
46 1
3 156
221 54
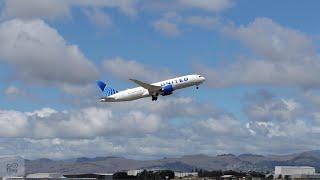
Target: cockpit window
200 76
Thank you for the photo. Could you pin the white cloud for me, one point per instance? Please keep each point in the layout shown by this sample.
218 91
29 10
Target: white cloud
83 123
221 125
142 130
274 117
38 54
166 27
12 91
208 5
180 107
171 23
168 24
126 69
52 9
128 7
14 123
42 113
99 17
278 110
273 41
35 9
95 10
134 129
202 21
289 58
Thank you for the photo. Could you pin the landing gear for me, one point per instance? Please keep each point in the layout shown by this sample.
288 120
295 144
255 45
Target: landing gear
154 98
197 87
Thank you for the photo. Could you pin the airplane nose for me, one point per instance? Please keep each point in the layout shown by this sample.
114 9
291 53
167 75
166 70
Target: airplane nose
203 79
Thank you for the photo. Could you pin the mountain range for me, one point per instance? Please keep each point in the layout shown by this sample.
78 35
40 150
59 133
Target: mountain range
243 162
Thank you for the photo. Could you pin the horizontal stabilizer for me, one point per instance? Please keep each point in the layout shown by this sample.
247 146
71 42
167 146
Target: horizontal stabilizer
106 99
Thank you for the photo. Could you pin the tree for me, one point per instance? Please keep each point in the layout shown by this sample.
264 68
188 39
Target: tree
270 177
122 175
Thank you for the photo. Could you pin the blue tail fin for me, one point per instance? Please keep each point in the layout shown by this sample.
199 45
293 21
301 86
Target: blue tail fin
107 91
101 85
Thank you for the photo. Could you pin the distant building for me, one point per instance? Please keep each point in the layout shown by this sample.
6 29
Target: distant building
13 178
296 173
185 174
134 172
229 177
305 177
293 170
45 176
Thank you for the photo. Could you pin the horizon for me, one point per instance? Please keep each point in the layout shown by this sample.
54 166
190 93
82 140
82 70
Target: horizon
160 158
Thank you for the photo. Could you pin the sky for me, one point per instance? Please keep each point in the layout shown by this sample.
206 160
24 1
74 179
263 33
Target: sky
260 60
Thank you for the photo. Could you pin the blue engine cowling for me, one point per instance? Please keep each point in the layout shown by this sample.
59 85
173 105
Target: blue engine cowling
167 90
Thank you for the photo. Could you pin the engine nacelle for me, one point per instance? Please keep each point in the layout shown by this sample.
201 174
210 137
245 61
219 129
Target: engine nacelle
167 90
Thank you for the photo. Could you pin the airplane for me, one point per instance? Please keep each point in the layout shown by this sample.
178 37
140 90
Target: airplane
163 88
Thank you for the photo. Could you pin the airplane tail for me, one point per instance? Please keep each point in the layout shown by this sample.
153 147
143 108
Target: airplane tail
107 91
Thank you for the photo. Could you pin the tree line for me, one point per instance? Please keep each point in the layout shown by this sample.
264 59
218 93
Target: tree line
145 175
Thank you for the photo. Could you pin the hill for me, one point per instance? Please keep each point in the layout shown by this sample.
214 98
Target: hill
243 162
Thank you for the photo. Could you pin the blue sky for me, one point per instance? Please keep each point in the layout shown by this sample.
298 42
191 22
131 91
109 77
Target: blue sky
260 59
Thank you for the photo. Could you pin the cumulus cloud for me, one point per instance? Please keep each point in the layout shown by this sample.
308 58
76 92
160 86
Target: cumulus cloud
136 130
271 116
289 58
170 23
17 94
167 27
83 123
279 110
126 69
282 122
273 41
208 5
141 130
95 10
99 17
34 9
203 21
221 125
180 107
12 91
52 9
38 54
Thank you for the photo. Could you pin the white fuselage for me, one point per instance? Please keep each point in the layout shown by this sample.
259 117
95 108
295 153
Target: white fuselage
140 92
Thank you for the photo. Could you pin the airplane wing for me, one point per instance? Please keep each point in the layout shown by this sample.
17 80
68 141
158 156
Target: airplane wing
151 88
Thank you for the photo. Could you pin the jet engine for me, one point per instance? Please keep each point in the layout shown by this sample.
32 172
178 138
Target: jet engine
167 90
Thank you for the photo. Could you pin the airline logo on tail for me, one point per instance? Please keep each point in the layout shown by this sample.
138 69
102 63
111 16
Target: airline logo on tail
107 91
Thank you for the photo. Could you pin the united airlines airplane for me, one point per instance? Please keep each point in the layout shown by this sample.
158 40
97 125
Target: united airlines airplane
163 88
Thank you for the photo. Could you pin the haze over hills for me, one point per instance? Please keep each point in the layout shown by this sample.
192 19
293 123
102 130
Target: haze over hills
243 162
